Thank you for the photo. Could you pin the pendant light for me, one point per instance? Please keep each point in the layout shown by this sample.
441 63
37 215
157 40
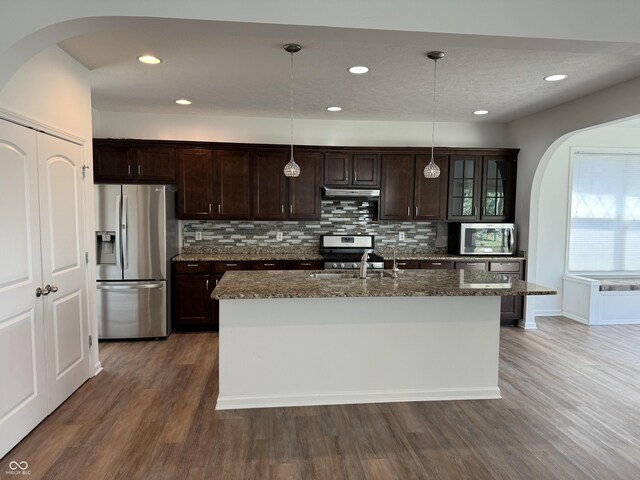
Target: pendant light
432 170
291 169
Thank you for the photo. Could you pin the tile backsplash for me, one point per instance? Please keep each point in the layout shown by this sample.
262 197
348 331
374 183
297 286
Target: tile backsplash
350 217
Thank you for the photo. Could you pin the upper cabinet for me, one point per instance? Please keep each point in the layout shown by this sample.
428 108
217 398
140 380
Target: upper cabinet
232 184
482 187
345 169
130 163
396 196
430 199
195 183
276 197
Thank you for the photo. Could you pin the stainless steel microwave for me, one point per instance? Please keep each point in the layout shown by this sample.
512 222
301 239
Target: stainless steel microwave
482 238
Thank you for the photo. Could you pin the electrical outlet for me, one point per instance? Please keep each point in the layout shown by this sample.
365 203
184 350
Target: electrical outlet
401 236
279 236
198 235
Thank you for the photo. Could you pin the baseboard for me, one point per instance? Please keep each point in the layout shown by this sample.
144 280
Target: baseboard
97 368
575 318
238 402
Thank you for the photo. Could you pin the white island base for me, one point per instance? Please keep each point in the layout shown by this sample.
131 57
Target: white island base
323 351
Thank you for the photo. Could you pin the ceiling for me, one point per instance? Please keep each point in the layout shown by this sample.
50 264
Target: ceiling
241 69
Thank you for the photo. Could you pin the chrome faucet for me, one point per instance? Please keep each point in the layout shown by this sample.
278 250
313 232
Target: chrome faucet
363 265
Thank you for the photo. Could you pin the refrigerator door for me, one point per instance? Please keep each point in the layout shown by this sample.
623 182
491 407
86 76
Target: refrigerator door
144 232
132 309
107 205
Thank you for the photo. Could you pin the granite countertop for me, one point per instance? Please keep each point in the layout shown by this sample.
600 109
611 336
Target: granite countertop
238 254
410 283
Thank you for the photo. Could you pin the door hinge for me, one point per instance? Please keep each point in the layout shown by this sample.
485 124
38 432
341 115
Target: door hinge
90 341
84 171
86 257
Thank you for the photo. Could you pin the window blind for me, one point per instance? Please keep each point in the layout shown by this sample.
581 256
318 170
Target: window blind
604 233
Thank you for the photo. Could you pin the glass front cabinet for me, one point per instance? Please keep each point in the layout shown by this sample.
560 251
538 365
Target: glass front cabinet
481 188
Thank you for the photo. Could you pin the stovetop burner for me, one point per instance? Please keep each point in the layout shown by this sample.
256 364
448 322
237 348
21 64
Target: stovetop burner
345 251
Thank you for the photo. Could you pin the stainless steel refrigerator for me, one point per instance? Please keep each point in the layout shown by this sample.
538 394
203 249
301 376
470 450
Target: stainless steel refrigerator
136 237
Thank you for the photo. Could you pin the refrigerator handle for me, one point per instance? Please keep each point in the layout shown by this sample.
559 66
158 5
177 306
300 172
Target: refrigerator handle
118 230
125 254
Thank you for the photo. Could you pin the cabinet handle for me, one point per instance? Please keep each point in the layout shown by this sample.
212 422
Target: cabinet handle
209 208
129 169
193 265
416 210
305 264
482 211
269 264
408 211
436 263
231 264
475 211
402 263
219 209
217 280
282 209
207 284
291 209
139 169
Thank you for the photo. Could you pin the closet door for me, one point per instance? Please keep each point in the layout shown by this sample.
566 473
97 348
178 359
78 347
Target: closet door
63 267
23 401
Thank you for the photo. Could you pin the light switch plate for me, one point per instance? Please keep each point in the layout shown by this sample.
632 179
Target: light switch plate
401 236
278 236
198 235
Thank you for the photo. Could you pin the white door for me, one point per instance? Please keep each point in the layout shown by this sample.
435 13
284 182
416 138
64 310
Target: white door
63 267
23 400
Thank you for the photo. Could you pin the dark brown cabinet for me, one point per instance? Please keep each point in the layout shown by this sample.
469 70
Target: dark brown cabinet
470 265
352 169
482 187
403 264
133 164
305 265
195 184
436 265
431 193
276 197
193 307
232 184
396 196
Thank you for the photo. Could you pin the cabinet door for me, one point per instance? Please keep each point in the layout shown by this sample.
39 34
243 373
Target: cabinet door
431 193
195 184
304 191
305 265
192 301
396 196
232 176
403 264
112 163
464 184
470 265
336 169
365 170
511 307
269 185
155 164
436 265
269 265
498 181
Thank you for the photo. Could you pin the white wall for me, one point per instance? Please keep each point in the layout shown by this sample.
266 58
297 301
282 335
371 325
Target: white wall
307 132
554 208
52 93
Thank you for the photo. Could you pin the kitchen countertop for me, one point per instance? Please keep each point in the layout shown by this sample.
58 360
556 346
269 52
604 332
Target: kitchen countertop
410 283
239 254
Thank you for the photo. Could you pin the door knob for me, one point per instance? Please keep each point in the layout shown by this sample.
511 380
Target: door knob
42 291
51 288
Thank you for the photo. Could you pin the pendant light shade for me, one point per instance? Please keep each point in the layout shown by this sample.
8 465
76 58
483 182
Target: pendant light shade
432 170
291 169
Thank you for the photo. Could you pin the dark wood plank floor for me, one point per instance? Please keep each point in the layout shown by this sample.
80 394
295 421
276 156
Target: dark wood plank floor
570 410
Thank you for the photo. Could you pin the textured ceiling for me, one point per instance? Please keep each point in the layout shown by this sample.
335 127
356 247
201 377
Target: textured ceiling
241 70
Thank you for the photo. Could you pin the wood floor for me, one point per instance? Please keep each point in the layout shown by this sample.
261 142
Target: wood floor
570 410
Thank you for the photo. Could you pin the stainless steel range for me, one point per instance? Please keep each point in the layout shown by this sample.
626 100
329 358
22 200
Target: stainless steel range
345 251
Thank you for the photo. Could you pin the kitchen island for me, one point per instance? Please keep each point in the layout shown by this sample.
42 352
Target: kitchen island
288 338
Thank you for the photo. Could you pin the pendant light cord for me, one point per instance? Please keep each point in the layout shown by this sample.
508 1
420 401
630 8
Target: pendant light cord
433 108
291 104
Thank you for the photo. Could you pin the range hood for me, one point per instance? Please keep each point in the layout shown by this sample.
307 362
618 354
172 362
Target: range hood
350 193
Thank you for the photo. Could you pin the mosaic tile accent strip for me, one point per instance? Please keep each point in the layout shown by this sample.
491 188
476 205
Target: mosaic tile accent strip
337 216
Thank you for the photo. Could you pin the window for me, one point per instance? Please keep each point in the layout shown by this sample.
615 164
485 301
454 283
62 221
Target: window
604 230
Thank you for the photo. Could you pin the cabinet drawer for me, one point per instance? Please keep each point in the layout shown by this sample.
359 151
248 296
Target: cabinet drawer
402 264
433 265
269 265
181 268
221 267
305 265
505 266
470 265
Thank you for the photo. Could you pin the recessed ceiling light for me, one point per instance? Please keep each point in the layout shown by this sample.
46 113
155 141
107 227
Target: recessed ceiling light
481 112
149 59
555 78
358 69
334 109
183 101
